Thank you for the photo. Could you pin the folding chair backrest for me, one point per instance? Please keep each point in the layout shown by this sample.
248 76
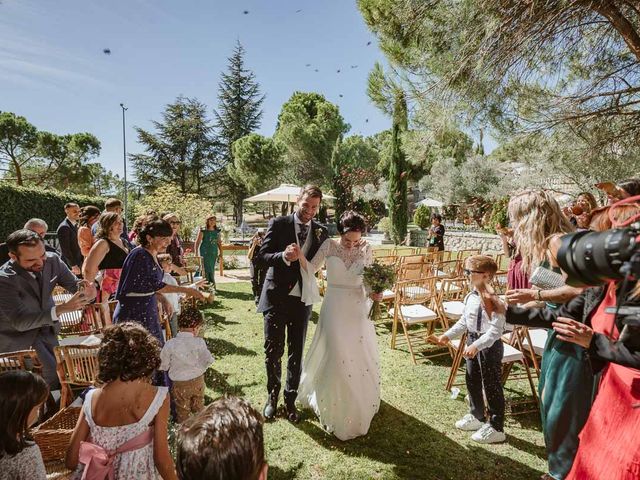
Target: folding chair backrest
412 292
452 288
411 259
503 262
401 251
413 271
464 254
390 260
20 360
91 320
382 252
193 261
79 363
447 269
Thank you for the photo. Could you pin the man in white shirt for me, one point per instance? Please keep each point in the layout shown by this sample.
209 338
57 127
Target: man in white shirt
285 315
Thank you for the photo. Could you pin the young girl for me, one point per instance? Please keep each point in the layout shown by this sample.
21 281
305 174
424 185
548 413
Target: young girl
123 424
21 396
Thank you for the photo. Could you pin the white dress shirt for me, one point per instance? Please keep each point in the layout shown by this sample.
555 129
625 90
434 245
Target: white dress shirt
185 357
172 298
296 291
490 328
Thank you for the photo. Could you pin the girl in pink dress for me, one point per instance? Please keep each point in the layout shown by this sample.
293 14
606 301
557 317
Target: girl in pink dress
122 429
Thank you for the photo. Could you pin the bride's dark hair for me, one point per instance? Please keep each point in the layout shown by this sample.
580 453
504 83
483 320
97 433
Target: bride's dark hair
351 221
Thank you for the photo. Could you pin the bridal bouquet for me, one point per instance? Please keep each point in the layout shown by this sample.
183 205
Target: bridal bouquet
378 278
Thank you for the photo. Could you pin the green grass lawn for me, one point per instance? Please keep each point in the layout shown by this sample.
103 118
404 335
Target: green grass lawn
411 437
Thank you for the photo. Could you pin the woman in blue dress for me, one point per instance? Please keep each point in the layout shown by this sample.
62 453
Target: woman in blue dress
141 280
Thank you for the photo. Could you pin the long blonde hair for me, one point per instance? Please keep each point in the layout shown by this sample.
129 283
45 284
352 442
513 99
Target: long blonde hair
535 217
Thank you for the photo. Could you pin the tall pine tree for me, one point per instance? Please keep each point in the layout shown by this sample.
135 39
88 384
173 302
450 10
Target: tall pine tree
239 113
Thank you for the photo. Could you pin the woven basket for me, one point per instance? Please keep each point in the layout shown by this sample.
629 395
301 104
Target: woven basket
53 438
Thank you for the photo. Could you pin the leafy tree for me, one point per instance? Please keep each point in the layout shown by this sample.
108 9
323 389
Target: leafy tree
191 207
422 217
308 128
182 151
353 164
30 157
239 113
256 163
521 66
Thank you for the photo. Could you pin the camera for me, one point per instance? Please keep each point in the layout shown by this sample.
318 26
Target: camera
594 258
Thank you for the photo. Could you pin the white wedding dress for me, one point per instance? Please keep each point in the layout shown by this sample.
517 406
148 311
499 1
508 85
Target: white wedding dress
341 374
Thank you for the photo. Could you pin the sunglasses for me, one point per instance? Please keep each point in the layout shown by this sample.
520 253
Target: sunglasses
469 272
176 223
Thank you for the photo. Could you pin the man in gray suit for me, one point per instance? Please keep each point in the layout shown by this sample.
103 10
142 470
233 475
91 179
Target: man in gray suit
28 314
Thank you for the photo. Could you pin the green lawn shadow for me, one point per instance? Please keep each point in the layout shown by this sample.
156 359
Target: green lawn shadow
219 347
418 451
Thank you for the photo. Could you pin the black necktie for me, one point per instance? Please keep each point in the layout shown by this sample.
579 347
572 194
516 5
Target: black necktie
38 276
302 234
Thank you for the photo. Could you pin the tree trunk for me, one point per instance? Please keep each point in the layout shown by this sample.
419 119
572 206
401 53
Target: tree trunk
18 173
238 209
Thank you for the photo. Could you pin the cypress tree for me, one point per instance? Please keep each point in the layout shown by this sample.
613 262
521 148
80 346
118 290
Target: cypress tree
398 208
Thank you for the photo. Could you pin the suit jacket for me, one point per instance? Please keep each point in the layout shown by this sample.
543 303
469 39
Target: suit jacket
25 306
281 278
4 252
68 240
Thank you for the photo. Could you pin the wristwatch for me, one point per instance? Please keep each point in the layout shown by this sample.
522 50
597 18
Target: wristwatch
539 295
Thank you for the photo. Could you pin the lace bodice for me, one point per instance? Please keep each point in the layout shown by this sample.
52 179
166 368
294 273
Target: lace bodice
357 257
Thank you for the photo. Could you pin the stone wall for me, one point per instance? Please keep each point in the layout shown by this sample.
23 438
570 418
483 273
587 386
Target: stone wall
456 240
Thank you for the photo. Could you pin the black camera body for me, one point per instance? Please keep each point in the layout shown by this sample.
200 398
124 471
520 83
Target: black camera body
593 258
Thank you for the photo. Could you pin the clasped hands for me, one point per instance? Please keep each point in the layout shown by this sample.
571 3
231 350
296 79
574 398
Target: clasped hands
292 253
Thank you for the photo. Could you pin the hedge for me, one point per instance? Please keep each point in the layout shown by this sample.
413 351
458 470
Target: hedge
19 204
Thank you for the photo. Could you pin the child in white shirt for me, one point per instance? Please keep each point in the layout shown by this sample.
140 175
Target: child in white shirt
186 357
483 352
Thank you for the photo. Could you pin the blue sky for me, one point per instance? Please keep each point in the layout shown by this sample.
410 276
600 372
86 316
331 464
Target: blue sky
53 70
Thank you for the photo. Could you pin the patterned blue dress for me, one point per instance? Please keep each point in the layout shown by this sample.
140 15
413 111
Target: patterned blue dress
140 279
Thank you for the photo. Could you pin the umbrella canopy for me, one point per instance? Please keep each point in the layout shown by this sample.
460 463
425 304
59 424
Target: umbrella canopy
283 193
430 202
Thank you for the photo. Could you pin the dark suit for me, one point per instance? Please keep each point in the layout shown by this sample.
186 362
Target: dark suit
284 312
25 310
4 252
68 240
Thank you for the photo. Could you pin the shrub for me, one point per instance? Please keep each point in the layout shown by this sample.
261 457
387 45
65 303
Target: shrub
498 217
192 209
422 217
384 225
22 203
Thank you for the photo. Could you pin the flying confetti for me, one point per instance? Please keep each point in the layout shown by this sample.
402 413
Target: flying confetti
106 51
246 12
368 43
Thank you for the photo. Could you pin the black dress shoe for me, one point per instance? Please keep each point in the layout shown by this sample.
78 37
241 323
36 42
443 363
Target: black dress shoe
292 413
270 409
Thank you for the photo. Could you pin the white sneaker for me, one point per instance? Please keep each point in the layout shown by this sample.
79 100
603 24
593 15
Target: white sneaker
488 434
469 423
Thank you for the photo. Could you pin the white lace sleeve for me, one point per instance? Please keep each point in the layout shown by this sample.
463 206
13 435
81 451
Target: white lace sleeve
323 252
368 255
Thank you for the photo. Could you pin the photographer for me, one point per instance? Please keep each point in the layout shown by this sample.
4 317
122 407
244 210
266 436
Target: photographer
585 339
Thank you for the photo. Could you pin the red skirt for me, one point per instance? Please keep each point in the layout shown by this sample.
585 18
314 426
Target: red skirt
609 443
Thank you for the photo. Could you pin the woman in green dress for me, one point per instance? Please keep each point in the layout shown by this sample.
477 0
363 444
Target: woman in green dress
208 244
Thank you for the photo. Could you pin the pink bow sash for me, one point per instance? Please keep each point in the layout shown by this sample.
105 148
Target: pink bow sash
98 463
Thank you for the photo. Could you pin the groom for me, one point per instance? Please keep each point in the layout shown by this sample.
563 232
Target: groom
287 238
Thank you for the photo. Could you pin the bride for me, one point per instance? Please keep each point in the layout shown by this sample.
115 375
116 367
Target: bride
340 374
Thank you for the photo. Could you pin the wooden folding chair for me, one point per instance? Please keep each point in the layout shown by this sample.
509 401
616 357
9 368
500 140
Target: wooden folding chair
534 340
164 321
413 270
462 255
447 269
77 366
401 251
20 360
499 282
514 353
92 319
419 258
193 264
412 308
382 252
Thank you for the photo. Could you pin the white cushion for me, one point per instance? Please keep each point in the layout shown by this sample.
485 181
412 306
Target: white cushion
416 314
511 354
388 295
453 310
538 339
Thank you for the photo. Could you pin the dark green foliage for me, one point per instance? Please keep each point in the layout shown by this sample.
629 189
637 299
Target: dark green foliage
239 113
398 208
422 217
498 216
181 152
22 203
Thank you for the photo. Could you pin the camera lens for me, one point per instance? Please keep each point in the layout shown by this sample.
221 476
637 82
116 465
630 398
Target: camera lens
593 258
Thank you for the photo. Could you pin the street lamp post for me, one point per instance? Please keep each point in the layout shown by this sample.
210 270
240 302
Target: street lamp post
124 148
